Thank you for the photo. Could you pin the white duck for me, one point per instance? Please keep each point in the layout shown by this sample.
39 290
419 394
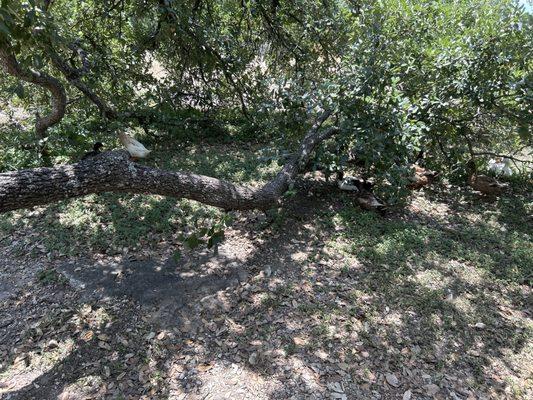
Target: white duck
349 183
499 167
134 147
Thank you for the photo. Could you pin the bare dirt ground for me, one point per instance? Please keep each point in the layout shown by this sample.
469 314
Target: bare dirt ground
282 312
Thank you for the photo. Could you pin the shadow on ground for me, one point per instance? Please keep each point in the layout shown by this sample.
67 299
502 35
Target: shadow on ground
325 302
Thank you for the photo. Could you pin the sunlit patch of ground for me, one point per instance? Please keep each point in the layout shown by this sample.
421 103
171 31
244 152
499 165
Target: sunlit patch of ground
224 381
28 366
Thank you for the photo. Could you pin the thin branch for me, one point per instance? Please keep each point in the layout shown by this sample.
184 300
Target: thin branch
74 77
490 153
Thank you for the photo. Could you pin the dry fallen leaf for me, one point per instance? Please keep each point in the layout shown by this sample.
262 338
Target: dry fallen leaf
335 387
86 336
299 341
343 366
204 367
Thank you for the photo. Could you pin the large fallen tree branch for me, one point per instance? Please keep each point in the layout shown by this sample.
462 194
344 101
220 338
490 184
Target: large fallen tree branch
114 172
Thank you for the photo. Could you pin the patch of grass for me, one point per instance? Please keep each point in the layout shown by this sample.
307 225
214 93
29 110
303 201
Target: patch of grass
50 277
418 283
244 164
491 246
320 332
309 308
290 348
110 222
270 301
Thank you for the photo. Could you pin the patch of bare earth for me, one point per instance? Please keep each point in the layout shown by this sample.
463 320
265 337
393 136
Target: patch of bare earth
276 313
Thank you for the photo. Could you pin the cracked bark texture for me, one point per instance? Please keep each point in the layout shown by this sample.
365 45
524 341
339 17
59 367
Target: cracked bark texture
113 171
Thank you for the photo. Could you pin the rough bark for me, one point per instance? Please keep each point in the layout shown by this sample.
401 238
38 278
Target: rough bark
114 172
53 85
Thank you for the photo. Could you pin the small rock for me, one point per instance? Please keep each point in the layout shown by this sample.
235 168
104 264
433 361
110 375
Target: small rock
321 354
431 389
253 358
480 325
407 395
343 366
392 379
473 353
104 345
339 396
335 387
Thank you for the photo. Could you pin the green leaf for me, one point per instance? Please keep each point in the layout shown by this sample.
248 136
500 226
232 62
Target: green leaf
19 90
215 239
5 30
176 256
525 133
193 241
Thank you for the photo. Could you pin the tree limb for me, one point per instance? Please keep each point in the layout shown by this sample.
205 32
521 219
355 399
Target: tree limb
74 75
114 172
490 153
53 85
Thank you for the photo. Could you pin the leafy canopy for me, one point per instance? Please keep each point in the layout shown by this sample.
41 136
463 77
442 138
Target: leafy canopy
445 77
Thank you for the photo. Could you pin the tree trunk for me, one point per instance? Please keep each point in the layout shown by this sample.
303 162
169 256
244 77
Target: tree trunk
114 172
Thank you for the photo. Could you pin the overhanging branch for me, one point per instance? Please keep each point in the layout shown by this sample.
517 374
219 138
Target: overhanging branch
74 75
53 85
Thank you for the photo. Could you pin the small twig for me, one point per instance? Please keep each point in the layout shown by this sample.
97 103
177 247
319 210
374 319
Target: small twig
490 153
